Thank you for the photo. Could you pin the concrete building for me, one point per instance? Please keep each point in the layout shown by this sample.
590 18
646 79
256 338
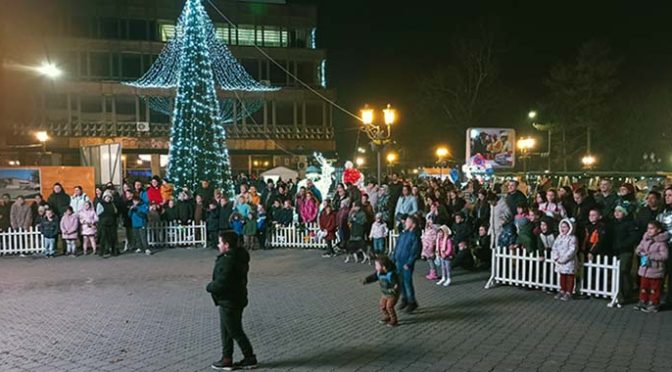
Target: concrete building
99 43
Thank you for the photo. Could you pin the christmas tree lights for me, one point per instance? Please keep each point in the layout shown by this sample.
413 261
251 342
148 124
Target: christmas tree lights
195 63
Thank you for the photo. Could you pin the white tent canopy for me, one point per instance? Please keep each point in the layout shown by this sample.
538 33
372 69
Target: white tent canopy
279 172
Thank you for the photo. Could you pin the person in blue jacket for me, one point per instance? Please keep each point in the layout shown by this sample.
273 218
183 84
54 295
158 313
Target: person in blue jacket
406 252
138 215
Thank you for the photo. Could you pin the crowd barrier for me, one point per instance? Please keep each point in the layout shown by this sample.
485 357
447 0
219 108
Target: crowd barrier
297 236
597 278
21 241
172 234
167 234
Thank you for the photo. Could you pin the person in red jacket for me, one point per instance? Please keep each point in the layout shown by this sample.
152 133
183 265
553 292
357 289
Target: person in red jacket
154 191
328 226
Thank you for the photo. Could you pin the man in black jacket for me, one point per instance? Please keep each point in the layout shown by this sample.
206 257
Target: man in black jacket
229 291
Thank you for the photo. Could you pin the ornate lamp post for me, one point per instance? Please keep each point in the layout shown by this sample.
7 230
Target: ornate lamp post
525 144
379 134
441 153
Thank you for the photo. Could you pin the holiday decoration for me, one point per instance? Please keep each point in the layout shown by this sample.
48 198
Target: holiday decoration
352 176
195 63
322 180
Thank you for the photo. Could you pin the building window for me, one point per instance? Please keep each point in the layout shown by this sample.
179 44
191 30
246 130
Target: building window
166 30
80 26
251 66
91 104
305 71
273 36
278 76
222 33
246 35
99 64
109 28
137 29
131 65
125 106
314 115
284 113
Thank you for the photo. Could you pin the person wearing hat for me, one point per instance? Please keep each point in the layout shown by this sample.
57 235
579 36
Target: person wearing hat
107 222
626 198
625 237
154 191
228 289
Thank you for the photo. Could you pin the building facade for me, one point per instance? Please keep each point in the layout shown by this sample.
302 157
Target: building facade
100 43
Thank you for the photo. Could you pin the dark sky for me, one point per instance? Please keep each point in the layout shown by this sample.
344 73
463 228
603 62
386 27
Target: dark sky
378 49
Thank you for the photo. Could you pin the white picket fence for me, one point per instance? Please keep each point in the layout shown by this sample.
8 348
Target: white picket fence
21 241
597 278
172 234
295 236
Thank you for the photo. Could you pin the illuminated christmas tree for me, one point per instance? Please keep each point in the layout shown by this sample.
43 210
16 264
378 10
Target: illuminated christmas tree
195 63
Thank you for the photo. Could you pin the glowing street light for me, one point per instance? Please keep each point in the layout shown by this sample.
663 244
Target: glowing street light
359 161
525 144
532 114
441 153
49 70
391 158
379 133
588 161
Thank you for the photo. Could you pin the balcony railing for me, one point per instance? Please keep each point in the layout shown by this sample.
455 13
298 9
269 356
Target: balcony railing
134 129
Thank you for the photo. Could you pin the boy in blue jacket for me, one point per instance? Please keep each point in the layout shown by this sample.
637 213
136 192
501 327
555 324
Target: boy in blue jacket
138 215
405 253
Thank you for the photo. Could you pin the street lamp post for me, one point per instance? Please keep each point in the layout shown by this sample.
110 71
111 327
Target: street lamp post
391 158
43 137
441 153
379 134
548 128
525 144
588 161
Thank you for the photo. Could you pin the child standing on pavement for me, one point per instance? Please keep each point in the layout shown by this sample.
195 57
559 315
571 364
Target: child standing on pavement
386 276
49 228
653 253
563 254
250 231
69 228
429 246
88 220
378 234
444 250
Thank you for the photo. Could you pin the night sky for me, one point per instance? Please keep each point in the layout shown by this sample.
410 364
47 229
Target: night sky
378 49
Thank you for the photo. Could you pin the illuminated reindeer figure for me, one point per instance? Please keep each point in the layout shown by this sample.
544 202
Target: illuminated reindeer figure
324 181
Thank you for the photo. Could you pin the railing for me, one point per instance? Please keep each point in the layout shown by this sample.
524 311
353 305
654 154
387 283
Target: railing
21 241
171 234
391 242
297 236
598 278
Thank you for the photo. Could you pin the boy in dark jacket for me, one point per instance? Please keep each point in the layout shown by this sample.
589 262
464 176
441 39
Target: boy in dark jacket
595 240
212 223
228 289
49 227
225 209
286 214
625 238
386 275
461 236
406 253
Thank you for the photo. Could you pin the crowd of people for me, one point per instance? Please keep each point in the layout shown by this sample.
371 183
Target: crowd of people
452 226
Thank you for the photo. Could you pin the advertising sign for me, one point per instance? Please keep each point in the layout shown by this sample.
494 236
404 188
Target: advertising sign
490 149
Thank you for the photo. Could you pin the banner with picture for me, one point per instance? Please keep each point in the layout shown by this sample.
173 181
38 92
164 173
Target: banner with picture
491 148
24 182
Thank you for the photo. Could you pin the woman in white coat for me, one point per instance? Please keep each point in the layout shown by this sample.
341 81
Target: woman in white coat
563 255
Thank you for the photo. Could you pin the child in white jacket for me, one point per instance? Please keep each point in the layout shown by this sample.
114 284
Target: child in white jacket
378 234
563 255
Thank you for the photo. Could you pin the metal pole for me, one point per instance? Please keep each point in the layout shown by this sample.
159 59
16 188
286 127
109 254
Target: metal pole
378 163
549 149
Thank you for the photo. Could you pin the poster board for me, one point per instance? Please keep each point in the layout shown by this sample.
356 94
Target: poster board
106 161
69 177
24 182
491 148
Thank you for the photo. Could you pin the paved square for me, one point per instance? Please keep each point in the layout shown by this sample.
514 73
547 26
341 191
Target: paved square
306 313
